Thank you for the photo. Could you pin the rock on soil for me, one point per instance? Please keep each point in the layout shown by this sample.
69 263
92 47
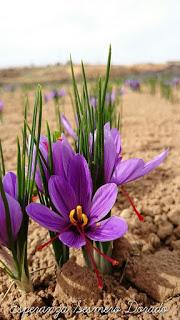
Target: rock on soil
157 274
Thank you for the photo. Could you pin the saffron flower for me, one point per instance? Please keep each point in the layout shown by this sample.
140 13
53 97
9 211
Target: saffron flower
54 94
176 82
133 84
121 171
9 185
81 214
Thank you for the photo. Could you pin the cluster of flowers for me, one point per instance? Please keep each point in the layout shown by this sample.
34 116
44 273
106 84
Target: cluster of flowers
79 214
76 187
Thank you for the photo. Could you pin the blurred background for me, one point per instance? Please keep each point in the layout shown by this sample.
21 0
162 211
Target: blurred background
46 32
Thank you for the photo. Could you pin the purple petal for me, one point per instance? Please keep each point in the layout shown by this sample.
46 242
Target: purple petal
67 155
117 139
72 239
62 196
125 170
67 126
43 147
15 216
103 202
107 230
133 169
62 154
57 158
79 178
10 184
46 217
110 155
150 165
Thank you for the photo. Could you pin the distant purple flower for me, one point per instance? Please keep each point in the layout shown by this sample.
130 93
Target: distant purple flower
176 82
48 96
10 185
67 126
1 105
81 213
133 84
54 94
9 87
93 101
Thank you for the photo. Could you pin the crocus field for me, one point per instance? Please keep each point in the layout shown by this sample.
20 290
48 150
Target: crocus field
89 195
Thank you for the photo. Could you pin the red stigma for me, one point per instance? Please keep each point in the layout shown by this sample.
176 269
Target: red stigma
42 246
140 217
34 198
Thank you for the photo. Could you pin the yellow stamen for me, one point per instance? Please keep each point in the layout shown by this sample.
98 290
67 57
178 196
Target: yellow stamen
71 217
79 212
77 217
84 219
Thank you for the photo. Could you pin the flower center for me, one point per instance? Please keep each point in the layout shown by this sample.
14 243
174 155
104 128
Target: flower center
77 217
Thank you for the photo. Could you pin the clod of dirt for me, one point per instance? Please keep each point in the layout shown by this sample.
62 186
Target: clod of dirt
157 274
165 230
174 216
77 281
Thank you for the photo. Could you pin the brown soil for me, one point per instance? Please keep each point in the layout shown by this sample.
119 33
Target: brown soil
147 252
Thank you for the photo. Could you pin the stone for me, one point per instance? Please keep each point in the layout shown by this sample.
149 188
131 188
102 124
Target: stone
157 274
154 240
174 216
165 230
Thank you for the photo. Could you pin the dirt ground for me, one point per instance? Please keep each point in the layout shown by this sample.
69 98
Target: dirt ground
149 272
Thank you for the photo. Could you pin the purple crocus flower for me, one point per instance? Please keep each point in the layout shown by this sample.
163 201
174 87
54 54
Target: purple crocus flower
121 171
176 82
1 105
81 214
48 96
10 186
54 94
67 126
133 84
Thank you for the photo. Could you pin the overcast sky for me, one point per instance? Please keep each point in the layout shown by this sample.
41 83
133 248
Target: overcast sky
47 31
